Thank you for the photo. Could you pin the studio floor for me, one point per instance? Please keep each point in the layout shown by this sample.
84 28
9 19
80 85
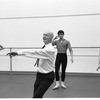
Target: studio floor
21 86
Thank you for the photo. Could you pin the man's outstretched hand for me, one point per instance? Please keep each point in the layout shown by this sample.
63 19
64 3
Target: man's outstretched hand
12 54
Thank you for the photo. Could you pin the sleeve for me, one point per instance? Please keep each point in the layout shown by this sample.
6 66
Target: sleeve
35 53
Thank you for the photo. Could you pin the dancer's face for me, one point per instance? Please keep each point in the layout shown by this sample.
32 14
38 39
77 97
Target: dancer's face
47 37
61 35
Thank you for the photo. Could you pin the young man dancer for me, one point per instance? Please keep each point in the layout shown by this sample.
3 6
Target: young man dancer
61 58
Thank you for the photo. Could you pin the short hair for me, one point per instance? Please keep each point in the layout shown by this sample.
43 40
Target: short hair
50 33
60 31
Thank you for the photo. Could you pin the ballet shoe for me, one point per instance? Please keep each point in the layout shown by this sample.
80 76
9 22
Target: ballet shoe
55 87
62 85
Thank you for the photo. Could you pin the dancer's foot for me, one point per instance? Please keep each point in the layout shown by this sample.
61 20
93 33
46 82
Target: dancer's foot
63 85
56 87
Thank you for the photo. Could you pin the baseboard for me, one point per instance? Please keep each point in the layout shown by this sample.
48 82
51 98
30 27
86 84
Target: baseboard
83 74
34 72
17 72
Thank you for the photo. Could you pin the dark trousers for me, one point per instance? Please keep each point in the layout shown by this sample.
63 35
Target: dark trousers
61 59
42 83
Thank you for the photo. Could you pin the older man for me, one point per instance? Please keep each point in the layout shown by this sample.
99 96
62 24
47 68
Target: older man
45 73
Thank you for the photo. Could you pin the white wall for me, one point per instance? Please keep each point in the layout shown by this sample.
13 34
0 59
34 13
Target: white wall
79 30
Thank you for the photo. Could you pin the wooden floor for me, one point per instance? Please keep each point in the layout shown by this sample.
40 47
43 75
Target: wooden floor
21 86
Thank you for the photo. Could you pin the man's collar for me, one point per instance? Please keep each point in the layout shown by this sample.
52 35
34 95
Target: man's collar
48 44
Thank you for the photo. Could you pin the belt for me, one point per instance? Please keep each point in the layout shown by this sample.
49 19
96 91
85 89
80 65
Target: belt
45 73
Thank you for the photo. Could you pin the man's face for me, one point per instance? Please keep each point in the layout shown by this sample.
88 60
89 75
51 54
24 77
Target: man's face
47 38
60 35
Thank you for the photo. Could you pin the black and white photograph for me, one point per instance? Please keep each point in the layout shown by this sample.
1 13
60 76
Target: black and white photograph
50 49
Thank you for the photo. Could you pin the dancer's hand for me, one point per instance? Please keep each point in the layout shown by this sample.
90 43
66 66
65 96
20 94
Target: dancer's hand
72 60
56 37
98 66
12 54
1 47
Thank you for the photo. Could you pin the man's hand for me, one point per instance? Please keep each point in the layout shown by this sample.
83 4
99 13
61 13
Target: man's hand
1 47
12 54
